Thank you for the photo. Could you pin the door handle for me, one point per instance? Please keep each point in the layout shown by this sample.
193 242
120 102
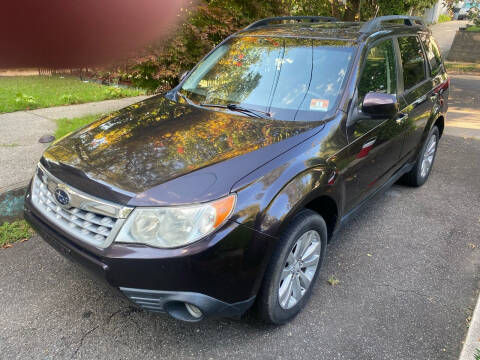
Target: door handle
401 118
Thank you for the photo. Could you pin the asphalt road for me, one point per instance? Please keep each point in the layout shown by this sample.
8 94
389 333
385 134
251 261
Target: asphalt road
407 264
409 300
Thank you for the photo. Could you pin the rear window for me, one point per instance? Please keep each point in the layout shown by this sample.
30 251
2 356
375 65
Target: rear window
433 55
294 79
413 61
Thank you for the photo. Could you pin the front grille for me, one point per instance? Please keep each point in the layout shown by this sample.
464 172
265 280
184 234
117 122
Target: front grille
93 228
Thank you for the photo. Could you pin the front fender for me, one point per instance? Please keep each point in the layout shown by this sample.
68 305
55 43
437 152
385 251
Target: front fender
270 195
276 205
306 187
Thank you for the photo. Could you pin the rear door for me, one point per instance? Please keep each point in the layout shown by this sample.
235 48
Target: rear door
417 93
438 74
374 143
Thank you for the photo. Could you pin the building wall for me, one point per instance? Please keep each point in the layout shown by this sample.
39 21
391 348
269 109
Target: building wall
431 15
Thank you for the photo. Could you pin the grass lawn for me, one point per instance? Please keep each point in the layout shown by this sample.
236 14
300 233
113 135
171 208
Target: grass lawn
14 231
65 126
31 92
462 67
473 28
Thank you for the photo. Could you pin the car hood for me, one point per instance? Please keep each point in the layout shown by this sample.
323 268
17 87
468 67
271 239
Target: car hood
161 152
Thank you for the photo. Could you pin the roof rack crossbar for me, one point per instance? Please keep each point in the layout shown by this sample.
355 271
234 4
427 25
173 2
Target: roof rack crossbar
376 23
267 21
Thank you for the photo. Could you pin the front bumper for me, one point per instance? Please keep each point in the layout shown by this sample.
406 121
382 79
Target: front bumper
220 274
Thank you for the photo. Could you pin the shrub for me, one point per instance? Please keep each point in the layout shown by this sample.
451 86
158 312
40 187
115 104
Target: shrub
444 18
474 15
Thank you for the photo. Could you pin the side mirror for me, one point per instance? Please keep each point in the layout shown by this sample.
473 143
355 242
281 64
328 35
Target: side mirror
380 104
184 74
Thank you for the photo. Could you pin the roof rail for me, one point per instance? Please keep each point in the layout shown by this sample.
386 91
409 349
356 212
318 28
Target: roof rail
376 24
264 22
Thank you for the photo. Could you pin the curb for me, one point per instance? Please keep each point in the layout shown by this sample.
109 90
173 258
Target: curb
472 342
11 204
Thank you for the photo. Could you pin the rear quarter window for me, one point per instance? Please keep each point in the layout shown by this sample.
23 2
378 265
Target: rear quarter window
413 61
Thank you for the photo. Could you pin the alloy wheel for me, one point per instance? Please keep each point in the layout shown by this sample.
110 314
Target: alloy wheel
428 156
299 269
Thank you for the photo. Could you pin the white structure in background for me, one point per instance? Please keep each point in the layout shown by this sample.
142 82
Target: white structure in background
431 15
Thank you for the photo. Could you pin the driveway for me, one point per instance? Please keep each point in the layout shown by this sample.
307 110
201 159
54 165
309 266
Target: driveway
445 32
407 264
463 118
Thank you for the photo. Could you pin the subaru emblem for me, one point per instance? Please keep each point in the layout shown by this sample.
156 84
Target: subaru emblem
62 197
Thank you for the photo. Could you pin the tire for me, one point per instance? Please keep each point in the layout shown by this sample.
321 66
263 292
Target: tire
418 176
273 308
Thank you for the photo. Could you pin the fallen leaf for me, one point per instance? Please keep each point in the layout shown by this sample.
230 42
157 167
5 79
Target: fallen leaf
369 255
333 281
472 246
6 246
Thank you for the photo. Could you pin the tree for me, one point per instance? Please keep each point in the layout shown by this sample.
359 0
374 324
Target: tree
210 21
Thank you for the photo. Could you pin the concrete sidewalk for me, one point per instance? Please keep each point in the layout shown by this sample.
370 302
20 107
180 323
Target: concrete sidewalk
445 32
19 146
20 149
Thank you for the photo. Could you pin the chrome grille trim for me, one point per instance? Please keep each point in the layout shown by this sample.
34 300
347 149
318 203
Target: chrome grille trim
92 227
84 201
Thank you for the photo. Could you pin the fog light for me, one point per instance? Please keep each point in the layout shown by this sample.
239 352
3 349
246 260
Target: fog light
194 311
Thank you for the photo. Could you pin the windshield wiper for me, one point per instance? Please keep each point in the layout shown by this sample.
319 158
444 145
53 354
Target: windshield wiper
190 102
235 107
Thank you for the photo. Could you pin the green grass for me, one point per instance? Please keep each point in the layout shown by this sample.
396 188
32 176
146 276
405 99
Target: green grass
473 28
444 18
31 92
463 67
65 126
477 354
14 231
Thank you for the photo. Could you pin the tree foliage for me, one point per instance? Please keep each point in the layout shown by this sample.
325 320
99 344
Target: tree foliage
210 21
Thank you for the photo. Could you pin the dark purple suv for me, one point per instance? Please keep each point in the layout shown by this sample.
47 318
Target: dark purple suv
225 191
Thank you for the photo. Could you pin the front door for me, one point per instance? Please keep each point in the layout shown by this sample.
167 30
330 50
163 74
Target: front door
374 144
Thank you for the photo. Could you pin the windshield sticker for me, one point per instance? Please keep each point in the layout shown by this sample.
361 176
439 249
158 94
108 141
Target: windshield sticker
319 104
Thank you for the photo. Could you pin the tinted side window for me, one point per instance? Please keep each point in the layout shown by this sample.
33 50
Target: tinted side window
413 62
379 72
433 55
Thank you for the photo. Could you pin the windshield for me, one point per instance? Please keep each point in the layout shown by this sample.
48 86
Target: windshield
289 78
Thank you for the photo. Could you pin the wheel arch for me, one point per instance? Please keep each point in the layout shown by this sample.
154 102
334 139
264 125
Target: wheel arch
326 207
440 124
309 190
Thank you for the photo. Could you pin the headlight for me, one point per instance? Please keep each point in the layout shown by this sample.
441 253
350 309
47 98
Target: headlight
169 227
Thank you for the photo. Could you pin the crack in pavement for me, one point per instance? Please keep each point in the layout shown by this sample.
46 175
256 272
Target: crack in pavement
107 321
